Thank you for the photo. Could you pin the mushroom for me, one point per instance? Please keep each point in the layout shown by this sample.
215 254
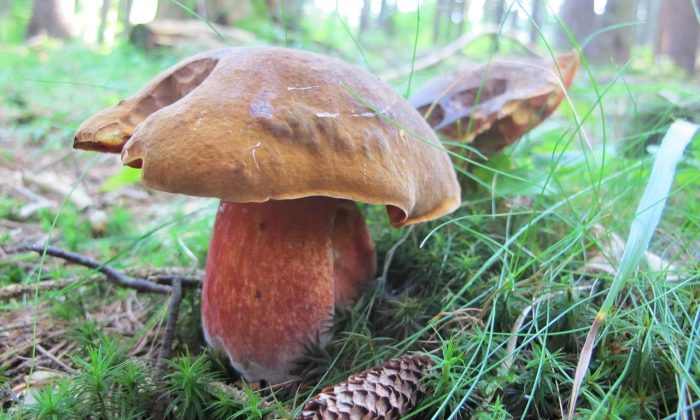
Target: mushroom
289 141
492 105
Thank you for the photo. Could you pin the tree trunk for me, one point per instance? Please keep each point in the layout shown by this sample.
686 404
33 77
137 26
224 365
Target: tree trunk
202 9
448 19
5 7
172 33
104 15
499 7
227 12
444 27
677 34
291 11
47 18
497 15
649 13
123 15
465 9
365 15
438 20
386 17
536 21
579 17
614 44
169 10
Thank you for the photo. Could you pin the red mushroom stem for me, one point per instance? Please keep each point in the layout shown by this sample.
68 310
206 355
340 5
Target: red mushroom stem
275 272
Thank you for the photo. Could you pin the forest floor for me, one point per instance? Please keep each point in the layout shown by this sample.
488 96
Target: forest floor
500 294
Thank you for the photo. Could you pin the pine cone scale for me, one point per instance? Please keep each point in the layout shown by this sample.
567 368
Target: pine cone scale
387 391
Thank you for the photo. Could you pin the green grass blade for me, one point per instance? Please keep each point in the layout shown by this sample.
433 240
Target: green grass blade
415 48
355 41
642 228
203 20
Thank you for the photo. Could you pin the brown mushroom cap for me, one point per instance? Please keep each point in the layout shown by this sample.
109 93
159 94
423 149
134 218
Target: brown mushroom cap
254 124
495 103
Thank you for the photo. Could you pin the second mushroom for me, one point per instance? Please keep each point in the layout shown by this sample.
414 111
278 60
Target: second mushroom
289 141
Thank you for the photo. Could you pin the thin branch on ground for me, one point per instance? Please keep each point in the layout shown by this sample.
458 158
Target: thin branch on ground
16 325
16 290
54 359
167 346
160 284
169 279
169 335
114 276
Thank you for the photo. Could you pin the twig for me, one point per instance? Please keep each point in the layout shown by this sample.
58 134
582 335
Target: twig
171 323
129 310
189 281
16 325
54 359
390 254
121 279
16 350
163 276
113 275
19 348
7 392
15 290
167 346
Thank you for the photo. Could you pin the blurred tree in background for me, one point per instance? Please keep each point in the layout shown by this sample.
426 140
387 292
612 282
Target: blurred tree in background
613 28
677 32
48 17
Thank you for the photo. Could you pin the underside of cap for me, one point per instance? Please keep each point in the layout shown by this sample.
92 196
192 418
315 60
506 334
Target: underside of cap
477 96
254 124
109 130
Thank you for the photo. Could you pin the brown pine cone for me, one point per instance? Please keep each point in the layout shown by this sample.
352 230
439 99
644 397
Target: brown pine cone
387 391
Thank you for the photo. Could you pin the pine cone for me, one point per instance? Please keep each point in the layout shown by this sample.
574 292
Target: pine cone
387 391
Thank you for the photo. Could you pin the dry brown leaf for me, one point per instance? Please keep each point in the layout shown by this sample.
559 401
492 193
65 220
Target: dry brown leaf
492 105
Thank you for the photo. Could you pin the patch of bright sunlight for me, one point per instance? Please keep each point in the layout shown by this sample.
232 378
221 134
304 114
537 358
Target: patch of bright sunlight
351 10
143 11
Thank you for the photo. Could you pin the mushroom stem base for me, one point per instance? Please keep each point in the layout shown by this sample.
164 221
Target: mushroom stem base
275 272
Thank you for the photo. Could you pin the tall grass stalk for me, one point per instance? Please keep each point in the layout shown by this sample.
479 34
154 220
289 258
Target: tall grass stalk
642 228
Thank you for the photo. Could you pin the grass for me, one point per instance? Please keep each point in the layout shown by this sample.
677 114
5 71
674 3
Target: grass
501 293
